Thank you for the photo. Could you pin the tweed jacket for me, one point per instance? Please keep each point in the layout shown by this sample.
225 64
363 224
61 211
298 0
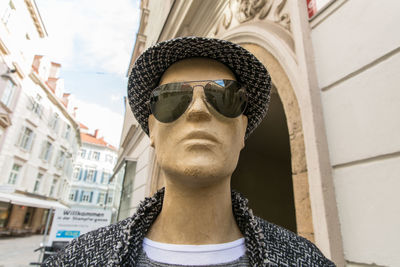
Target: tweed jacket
120 244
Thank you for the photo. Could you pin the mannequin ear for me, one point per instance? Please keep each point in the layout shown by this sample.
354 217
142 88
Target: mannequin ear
244 122
151 129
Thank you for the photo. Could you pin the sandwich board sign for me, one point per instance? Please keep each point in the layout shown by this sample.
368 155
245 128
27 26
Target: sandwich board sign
71 223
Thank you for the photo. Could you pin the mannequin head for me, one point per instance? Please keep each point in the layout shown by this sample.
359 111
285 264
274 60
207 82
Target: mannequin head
201 147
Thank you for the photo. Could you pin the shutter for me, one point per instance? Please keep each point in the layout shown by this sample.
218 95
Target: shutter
98 198
84 178
80 200
76 195
80 174
91 196
94 178
102 178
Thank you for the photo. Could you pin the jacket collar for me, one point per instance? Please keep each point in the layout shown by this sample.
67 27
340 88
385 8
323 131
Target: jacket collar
135 228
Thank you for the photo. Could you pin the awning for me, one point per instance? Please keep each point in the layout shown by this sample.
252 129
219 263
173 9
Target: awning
19 199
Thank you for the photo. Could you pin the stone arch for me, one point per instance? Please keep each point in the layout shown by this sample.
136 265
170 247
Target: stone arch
298 158
275 49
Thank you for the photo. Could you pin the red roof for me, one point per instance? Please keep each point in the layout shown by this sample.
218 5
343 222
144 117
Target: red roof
83 126
91 139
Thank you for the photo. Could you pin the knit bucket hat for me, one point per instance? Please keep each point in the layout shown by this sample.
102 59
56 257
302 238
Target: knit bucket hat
153 62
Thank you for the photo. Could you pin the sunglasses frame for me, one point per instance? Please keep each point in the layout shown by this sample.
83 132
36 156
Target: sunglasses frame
203 86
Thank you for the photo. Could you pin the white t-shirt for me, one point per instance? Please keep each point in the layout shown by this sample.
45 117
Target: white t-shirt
194 254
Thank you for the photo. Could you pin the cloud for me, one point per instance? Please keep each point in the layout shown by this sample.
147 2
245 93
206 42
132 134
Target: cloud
95 116
116 98
94 34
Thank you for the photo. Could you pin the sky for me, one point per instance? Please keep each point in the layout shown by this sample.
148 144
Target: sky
93 41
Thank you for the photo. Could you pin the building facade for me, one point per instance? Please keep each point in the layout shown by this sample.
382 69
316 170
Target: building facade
39 145
90 186
328 151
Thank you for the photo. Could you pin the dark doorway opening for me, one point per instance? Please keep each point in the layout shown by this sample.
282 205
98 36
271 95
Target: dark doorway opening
264 174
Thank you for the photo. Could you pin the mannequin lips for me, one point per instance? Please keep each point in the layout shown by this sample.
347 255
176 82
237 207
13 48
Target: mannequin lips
201 136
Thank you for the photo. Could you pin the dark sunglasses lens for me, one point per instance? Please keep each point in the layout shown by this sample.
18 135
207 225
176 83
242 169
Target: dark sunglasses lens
169 101
227 97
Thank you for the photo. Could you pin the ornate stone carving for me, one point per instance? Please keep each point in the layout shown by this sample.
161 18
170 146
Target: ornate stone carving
246 10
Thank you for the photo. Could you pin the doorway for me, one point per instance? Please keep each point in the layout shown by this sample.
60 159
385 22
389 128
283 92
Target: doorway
264 174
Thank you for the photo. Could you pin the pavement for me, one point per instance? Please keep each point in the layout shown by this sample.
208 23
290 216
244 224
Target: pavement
18 251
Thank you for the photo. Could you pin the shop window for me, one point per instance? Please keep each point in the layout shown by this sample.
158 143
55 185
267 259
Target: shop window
14 174
4 213
8 93
38 181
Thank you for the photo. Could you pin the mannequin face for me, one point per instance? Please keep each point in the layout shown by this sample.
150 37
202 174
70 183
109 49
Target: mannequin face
202 146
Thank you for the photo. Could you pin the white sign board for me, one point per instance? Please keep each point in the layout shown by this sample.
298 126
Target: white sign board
71 223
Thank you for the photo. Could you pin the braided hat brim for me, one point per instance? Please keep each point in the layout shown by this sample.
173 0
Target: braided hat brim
152 63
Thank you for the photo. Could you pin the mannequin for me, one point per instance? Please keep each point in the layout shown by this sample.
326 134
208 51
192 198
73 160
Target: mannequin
197 99
197 168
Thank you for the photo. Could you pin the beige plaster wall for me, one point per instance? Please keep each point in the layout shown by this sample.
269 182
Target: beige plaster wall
357 61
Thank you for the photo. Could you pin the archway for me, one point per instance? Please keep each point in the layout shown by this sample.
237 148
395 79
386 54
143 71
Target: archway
288 191
264 172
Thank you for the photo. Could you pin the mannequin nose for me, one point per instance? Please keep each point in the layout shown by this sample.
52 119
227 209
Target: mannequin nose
198 109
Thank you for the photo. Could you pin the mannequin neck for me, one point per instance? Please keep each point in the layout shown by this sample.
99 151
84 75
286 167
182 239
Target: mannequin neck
195 214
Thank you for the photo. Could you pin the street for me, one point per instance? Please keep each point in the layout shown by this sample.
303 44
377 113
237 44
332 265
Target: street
18 251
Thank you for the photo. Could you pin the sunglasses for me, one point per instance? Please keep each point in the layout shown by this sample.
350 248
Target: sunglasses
169 101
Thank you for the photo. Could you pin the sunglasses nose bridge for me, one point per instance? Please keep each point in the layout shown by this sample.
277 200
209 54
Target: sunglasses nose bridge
198 108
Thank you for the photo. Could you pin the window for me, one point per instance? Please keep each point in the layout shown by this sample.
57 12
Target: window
109 199
86 196
83 153
104 177
25 140
8 93
315 6
76 172
109 158
91 175
71 195
12 178
54 121
67 131
100 198
60 159
96 155
37 182
8 13
47 149
53 186
35 105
